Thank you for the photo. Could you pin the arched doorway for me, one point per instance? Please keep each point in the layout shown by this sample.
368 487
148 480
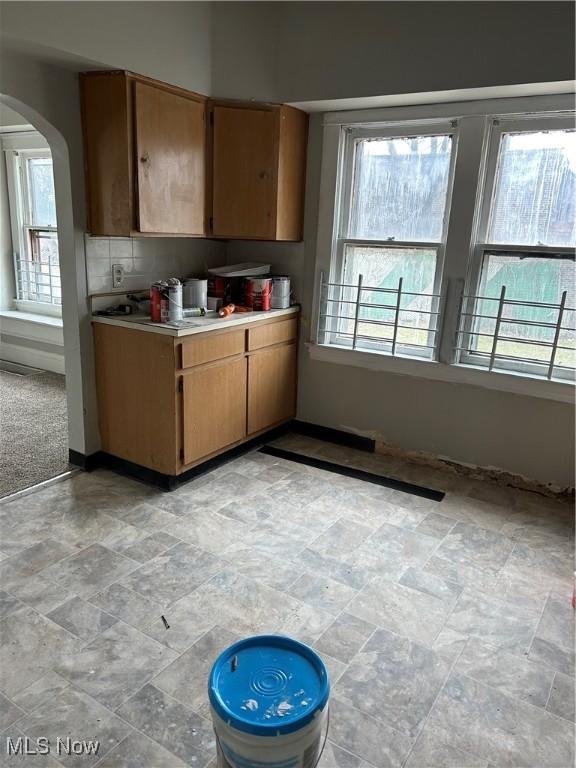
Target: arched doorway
70 248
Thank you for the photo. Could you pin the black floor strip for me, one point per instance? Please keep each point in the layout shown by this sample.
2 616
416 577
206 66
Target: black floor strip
357 474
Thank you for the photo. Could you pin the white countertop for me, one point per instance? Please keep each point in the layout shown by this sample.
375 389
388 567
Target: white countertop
192 324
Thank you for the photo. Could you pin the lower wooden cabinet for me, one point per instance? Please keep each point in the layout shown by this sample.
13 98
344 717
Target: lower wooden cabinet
168 403
271 386
213 407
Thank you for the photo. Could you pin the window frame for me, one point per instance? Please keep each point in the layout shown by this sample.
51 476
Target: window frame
474 117
343 214
18 148
497 127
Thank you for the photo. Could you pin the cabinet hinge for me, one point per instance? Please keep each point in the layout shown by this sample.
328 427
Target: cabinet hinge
211 118
182 455
180 385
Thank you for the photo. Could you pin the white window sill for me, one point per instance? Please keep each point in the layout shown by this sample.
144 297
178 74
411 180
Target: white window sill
43 309
32 317
456 374
32 326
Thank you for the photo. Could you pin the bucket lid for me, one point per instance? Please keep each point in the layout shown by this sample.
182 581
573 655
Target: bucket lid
268 685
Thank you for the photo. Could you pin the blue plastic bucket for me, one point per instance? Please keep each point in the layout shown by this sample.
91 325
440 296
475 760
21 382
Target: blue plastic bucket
269 702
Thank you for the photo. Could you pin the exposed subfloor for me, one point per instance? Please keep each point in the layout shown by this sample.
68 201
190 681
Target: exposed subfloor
33 429
447 628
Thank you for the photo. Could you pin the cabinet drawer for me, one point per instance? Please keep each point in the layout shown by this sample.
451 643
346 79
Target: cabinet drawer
274 333
205 348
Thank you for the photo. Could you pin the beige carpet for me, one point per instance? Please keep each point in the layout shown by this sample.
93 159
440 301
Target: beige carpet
33 429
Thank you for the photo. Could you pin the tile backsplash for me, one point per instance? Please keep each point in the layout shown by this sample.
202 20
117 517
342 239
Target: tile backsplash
147 259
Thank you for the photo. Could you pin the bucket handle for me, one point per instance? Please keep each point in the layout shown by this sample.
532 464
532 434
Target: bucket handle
325 738
323 743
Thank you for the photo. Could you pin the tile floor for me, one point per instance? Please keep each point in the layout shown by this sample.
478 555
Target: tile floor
447 627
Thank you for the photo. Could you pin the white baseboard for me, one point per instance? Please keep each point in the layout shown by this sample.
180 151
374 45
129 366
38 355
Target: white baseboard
36 358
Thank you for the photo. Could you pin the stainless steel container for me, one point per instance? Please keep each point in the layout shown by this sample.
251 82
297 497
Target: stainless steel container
195 292
280 295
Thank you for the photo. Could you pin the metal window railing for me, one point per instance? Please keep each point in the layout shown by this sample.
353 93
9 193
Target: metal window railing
387 320
37 265
38 281
492 332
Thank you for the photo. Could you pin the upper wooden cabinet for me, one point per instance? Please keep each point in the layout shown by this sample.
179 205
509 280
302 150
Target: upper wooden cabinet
258 171
145 155
154 167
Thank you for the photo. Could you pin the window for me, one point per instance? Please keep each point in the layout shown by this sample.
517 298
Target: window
389 249
34 231
451 237
524 257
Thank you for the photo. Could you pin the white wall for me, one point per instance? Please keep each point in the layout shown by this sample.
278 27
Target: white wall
9 118
166 40
245 50
307 51
351 49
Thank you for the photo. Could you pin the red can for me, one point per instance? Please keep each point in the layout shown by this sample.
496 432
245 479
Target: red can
155 303
159 302
219 288
257 291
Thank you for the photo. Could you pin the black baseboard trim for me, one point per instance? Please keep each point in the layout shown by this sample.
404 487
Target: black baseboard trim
171 482
356 474
88 463
137 472
334 435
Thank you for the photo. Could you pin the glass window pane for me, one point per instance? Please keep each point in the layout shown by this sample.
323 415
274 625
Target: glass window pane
41 185
400 188
535 192
531 279
382 267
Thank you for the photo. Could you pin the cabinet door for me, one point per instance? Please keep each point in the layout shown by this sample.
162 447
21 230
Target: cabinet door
271 387
170 160
245 172
214 408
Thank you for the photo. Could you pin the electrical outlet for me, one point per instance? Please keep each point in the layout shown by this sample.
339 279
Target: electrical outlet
117 275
